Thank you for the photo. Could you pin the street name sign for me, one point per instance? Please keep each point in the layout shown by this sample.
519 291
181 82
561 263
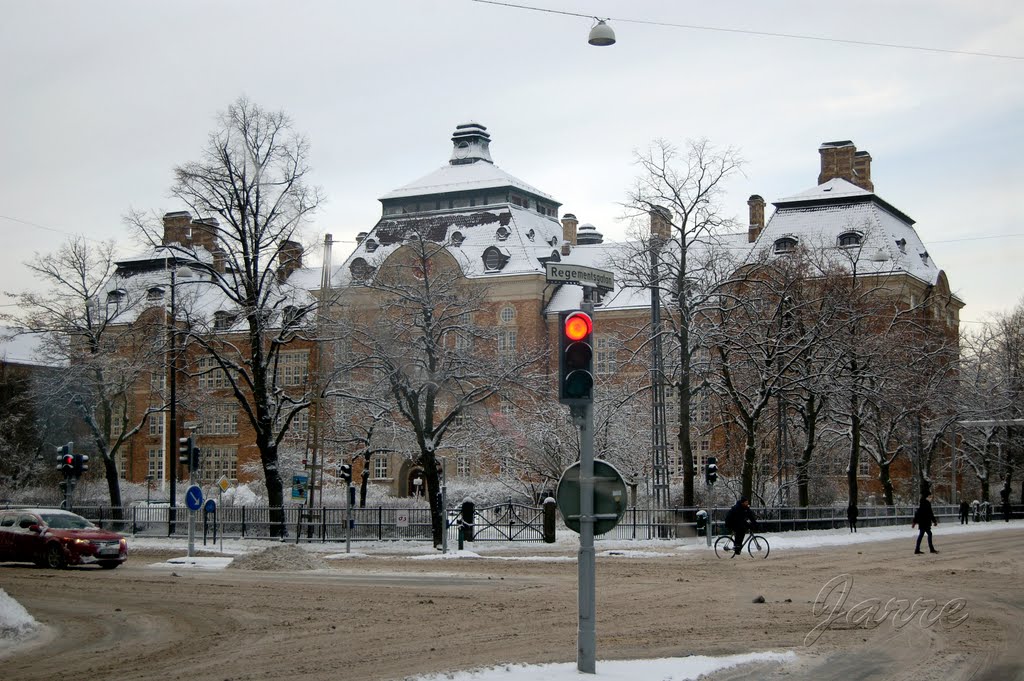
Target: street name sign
564 273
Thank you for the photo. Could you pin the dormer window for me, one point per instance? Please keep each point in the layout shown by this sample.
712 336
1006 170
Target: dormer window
902 244
495 258
115 296
924 257
786 244
291 316
223 320
501 234
371 245
530 235
553 241
849 239
457 239
360 270
155 294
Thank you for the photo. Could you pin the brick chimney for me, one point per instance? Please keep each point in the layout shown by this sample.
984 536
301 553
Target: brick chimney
862 170
569 223
178 228
841 159
204 233
220 259
289 259
756 205
661 223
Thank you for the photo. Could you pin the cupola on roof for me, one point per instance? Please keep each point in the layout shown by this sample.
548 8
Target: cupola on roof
472 144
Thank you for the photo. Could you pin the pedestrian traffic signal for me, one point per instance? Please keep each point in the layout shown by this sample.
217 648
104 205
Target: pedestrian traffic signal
711 470
575 359
345 472
196 461
185 450
81 464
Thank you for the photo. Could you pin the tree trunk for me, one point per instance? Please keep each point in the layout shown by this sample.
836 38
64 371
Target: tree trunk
275 486
429 463
984 488
113 486
685 444
803 477
364 480
886 480
747 482
854 462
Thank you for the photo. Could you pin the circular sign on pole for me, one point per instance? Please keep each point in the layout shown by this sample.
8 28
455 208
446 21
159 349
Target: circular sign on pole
210 506
609 496
194 497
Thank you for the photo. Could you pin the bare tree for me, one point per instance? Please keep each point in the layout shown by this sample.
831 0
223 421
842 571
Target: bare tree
413 324
680 191
250 189
84 327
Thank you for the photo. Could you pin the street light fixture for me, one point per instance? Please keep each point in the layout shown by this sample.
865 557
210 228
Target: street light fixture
601 35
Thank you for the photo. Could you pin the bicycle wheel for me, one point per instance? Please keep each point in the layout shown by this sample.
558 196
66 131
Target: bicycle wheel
758 547
724 546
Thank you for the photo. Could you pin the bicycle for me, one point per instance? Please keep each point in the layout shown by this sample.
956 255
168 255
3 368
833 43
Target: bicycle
757 546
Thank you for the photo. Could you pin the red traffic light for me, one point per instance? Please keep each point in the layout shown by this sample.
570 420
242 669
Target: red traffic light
578 326
69 460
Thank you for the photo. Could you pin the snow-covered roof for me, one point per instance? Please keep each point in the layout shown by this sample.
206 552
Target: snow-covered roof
18 348
818 217
460 178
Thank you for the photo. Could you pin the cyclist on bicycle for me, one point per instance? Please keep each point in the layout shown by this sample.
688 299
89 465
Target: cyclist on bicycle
739 520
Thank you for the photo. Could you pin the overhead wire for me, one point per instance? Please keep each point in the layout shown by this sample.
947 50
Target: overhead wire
768 34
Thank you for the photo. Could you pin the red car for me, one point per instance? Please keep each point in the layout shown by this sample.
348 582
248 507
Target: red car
53 538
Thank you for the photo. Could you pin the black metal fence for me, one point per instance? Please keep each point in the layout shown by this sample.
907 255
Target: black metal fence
509 522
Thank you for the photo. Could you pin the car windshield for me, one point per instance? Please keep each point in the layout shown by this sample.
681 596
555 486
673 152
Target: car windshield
65 521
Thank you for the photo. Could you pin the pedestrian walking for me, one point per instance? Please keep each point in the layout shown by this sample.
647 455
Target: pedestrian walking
965 512
851 516
924 518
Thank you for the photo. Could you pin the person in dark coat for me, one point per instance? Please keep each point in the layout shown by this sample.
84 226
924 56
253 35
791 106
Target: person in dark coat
924 518
851 516
965 512
738 521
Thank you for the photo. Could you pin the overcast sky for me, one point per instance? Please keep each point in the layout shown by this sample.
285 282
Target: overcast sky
100 101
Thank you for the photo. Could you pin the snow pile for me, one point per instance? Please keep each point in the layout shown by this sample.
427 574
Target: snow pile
15 622
664 669
280 557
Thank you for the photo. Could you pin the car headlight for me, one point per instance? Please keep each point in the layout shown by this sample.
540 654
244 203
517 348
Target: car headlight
82 542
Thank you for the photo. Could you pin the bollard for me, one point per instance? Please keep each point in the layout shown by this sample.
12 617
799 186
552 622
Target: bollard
468 510
550 507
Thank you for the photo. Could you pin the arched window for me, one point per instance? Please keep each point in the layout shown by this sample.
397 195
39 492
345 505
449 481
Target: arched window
155 294
786 244
360 270
501 234
507 315
371 245
457 239
847 239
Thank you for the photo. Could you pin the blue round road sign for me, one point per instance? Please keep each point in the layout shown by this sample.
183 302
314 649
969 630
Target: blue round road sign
210 506
194 497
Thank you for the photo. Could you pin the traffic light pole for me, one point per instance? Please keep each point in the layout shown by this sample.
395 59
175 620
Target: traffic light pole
586 637
586 633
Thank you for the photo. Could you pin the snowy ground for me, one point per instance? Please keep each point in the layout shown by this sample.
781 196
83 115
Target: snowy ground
16 624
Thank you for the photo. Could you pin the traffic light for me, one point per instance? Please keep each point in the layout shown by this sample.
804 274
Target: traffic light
185 450
345 472
576 358
81 464
66 458
194 465
711 470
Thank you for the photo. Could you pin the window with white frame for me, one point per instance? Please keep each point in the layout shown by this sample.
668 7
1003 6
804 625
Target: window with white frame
606 356
121 461
507 341
381 469
157 381
464 334
156 423
462 466
864 467
116 423
155 463
221 419
210 375
507 314
293 367
219 461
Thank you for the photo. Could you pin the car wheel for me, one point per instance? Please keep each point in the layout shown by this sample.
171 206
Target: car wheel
109 564
55 557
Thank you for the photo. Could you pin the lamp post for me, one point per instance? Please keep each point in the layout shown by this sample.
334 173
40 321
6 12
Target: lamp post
171 450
